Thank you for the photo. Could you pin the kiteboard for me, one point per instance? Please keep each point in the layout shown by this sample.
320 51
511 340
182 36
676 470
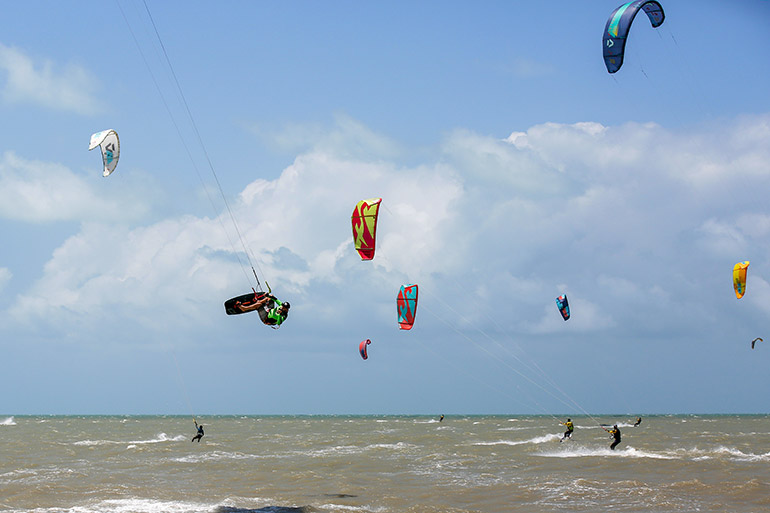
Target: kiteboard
246 300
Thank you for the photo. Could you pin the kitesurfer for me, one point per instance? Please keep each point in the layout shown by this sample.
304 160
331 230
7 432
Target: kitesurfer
199 434
615 432
570 428
638 421
270 316
441 418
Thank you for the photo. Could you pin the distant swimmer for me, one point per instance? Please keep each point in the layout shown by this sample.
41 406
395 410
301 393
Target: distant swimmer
570 428
638 421
199 434
615 432
754 342
441 418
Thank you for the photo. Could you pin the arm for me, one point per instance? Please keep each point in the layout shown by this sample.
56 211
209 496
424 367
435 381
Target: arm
253 306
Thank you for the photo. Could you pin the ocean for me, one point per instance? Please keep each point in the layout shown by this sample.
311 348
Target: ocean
383 464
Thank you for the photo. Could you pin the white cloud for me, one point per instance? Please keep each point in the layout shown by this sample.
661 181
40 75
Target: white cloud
68 88
502 226
347 138
36 191
5 277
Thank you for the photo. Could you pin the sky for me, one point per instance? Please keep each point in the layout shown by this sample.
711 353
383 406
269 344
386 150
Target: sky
513 169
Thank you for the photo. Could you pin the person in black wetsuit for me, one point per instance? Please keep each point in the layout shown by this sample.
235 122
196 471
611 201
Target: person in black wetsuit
615 432
199 434
570 428
638 421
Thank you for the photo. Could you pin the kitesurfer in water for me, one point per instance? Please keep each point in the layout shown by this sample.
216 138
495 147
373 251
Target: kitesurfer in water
638 421
615 432
570 428
441 418
199 434
270 316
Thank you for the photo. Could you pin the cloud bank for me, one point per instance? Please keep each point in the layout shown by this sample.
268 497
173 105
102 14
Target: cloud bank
67 88
634 222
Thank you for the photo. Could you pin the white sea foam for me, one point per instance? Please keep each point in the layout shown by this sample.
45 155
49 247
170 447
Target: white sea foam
136 505
8 422
216 456
571 451
730 453
93 443
537 440
346 507
162 437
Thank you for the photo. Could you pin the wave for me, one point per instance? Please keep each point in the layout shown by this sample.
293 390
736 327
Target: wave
355 449
628 452
721 451
160 438
268 509
216 456
140 505
8 422
683 454
537 440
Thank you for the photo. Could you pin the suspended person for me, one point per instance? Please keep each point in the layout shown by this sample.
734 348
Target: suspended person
199 434
615 432
570 428
638 421
441 419
271 316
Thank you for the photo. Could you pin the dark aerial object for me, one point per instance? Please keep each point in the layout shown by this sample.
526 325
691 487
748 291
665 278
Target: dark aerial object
563 305
739 278
618 25
362 348
406 303
364 221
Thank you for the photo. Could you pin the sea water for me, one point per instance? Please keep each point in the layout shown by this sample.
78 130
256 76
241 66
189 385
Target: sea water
383 464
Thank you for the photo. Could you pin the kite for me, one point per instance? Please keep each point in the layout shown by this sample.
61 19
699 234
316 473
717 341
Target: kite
364 220
110 146
406 303
754 342
618 25
563 305
362 348
739 278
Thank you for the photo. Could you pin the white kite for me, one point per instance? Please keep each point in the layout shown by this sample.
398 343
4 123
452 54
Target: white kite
110 146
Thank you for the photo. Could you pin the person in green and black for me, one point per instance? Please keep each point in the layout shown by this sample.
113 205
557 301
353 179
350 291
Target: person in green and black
199 434
615 432
570 428
271 311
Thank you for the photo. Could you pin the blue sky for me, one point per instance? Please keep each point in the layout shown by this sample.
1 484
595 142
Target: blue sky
513 168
